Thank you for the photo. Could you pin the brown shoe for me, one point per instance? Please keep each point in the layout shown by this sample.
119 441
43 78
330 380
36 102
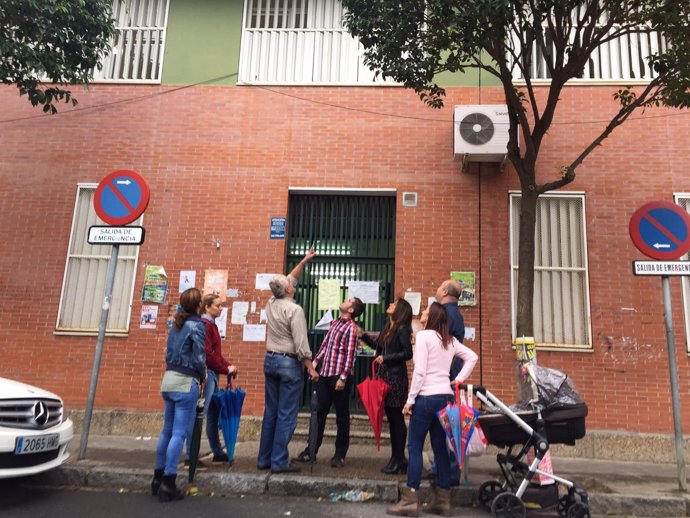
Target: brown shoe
441 502
408 505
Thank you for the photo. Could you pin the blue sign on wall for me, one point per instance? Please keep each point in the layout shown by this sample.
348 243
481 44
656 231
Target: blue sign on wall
661 230
278 228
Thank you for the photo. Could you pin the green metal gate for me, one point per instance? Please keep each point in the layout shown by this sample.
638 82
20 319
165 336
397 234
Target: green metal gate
354 239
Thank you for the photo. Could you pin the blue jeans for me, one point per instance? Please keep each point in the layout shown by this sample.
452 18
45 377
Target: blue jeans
423 421
454 467
284 379
180 408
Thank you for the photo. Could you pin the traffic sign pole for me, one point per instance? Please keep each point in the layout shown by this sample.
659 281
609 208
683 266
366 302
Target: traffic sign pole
675 394
105 309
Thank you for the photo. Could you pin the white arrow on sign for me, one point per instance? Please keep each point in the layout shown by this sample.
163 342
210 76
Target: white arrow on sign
661 245
123 182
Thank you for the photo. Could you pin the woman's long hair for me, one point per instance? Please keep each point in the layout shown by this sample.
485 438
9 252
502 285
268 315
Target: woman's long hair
190 301
438 321
401 317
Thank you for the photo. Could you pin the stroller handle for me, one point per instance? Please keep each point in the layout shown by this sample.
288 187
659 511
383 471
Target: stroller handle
476 389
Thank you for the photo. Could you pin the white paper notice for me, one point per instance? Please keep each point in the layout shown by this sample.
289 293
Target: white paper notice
366 291
469 333
222 323
254 333
430 301
187 280
262 280
415 300
232 293
325 321
262 316
253 307
239 312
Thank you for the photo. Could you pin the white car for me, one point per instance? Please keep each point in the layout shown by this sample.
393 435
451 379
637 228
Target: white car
34 435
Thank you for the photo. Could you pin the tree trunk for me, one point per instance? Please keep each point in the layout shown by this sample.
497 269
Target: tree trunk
525 295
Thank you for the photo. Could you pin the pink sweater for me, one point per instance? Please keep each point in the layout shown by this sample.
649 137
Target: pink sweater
432 365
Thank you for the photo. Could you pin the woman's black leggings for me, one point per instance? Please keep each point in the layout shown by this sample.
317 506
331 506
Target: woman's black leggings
398 430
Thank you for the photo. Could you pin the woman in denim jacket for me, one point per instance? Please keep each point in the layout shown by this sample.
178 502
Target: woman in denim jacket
185 360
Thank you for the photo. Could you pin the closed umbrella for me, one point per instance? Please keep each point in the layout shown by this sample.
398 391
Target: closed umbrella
229 401
372 392
313 424
195 438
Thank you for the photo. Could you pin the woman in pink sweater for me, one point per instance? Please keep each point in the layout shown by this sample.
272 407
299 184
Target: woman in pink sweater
430 391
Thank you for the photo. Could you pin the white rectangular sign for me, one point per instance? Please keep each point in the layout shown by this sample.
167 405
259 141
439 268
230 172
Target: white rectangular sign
115 235
661 267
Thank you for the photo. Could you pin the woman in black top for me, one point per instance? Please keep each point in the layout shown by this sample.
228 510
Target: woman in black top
393 350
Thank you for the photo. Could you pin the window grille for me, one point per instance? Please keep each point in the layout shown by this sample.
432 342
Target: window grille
300 42
624 58
684 201
137 48
83 286
561 279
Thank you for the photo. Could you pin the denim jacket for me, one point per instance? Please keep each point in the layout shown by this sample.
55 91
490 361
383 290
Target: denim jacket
185 352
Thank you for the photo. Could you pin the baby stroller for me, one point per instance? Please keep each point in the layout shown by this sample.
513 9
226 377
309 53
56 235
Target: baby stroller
555 416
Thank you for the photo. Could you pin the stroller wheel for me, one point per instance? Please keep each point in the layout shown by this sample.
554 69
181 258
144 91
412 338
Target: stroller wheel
507 505
564 503
488 491
578 510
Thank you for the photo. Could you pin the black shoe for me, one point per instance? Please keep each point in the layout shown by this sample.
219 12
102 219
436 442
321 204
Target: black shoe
304 457
287 469
396 467
156 481
220 458
388 466
168 492
337 462
263 468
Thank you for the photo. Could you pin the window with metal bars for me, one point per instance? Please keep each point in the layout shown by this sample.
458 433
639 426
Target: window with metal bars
683 200
137 48
83 285
561 279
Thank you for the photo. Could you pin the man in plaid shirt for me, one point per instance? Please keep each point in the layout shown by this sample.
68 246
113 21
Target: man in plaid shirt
336 357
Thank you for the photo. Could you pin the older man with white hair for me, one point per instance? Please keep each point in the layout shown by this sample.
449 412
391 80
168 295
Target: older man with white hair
287 351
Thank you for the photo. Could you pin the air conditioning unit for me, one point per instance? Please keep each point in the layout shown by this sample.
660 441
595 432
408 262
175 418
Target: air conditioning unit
480 132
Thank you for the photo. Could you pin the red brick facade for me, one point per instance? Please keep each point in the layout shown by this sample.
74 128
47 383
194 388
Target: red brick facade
219 162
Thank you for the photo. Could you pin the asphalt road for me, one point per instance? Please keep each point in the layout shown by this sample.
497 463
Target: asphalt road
20 499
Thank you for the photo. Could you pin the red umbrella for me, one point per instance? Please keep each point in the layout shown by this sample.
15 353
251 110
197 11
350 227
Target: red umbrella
373 391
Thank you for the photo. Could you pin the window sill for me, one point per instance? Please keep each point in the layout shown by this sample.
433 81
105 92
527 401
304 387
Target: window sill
115 334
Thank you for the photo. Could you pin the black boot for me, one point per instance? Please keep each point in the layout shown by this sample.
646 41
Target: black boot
168 492
156 480
389 465
398 466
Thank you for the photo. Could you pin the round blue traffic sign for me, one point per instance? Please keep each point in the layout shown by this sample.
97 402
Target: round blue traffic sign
661 230
121 197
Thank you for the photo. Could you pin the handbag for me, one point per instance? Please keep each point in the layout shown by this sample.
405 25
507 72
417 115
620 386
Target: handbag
477 443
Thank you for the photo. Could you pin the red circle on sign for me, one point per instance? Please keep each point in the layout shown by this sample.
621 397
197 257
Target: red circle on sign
666 227
108 190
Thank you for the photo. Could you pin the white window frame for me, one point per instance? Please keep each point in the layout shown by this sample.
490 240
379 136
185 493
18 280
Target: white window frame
113 61
80 225
683 199
513 228
305 45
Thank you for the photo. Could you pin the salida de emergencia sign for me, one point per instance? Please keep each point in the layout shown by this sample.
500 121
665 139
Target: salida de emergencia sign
106 235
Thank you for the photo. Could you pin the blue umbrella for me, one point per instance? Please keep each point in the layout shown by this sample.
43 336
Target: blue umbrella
229 402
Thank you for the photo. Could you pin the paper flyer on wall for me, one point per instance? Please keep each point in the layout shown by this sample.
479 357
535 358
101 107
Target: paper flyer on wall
216 281
467 293
222 323
149 316
366 291
415 300
325 321
239 312
187 280
254 333
329 294
262 280
155 284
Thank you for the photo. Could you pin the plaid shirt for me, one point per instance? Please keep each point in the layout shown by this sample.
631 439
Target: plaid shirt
338 349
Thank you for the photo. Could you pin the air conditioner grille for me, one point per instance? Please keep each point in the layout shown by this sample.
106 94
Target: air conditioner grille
477 129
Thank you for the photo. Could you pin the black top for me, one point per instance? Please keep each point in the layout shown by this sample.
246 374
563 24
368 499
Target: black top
396 352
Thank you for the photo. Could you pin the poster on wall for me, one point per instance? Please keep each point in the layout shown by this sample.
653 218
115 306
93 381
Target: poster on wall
149 316
329 294
155 284
466 281
216 281
222 323
187 280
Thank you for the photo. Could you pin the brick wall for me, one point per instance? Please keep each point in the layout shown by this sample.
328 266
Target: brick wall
219 162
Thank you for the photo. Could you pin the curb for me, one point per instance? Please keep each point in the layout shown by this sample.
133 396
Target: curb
129 479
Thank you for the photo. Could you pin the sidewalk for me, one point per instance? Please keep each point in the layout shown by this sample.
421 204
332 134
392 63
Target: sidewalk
121 462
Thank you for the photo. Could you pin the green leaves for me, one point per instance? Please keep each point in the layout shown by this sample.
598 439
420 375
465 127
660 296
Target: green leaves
52 41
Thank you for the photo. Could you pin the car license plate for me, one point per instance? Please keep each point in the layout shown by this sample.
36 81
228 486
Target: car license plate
37 443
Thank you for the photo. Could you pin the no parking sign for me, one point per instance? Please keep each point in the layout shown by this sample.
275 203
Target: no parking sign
121 197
